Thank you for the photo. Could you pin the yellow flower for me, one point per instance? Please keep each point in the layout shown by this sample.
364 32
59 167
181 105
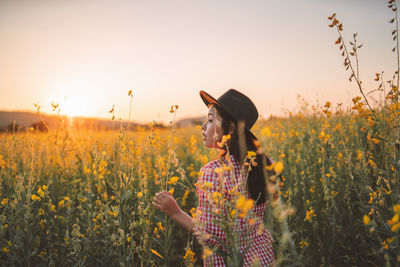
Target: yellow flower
41 212
4 201
390 240
156 253
375 140
86 170
173 180
61 204
159 224
394 220
251 154
309 214
53 208
356 99
278 167
366 219
192 210
139 195
171 191
385 245
359 154
223 170
396 227
303 244
244 205
207 253
224 139
270 167
5 250
40 192
216 196
185 195
35 198
233 213
113 213
2 162
208 184
189 255
327 104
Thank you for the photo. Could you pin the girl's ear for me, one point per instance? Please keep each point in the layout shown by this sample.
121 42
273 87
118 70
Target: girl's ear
232 127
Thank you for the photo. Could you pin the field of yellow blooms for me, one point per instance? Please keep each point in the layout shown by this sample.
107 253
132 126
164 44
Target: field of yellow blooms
73 198
84 198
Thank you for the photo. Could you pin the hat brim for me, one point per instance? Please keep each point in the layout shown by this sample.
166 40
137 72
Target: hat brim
209 100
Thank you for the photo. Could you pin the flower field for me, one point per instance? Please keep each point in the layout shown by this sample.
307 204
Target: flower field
84 198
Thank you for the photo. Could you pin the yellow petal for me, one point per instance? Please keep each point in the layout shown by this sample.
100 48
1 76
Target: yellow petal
278 167
156 253
366 219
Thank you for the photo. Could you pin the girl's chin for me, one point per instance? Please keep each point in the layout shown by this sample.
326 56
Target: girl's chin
207 145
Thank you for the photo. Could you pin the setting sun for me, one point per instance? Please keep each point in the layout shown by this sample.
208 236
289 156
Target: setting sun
74 101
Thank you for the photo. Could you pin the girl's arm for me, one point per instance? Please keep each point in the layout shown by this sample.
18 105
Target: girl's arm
167 204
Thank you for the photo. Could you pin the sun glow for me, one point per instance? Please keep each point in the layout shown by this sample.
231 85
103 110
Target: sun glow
74 101
74 106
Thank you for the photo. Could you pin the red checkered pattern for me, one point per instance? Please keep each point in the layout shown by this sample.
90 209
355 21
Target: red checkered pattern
208 232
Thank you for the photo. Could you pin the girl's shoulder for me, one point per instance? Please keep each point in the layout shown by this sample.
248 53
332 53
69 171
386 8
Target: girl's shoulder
214 164
220 163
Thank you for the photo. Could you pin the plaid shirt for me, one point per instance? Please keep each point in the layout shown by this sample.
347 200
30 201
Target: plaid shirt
216 177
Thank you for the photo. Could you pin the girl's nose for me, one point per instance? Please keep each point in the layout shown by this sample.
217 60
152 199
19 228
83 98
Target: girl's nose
203 127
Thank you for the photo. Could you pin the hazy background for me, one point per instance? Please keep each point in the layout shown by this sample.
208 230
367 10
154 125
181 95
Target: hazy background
87 54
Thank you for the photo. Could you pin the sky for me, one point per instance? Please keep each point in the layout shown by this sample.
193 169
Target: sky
87 54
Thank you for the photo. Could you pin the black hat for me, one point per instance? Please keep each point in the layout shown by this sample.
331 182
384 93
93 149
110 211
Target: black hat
237 105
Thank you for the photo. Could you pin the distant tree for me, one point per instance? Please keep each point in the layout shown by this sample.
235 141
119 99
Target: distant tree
40 126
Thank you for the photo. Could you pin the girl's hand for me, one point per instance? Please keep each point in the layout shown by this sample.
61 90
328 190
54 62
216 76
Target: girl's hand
166 203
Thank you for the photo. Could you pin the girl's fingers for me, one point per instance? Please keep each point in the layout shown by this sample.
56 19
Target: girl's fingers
161 198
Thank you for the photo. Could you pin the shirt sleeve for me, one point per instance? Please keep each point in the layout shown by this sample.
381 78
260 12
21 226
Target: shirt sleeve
207 230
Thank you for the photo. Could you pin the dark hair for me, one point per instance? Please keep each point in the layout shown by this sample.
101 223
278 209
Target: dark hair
256 183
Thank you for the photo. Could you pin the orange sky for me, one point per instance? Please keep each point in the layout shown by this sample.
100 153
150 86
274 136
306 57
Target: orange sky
86 54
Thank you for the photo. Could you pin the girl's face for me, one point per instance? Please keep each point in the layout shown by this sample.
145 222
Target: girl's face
212 129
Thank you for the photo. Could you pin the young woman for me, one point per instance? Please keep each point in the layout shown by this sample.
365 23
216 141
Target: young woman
232 114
